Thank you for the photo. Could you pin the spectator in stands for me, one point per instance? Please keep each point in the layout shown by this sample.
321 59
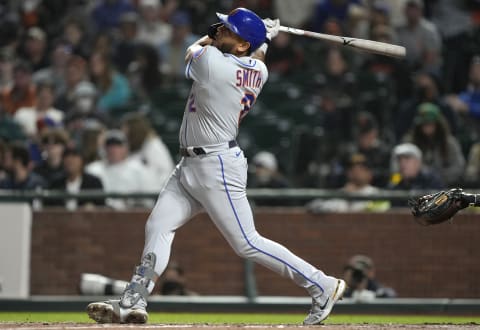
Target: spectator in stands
368 142
389 70
380 16
472 171
74 180
468 101
441 150
5 160
75 35
75 78
29 117
266 174
362 285
331 9
103 42
20 176
52 143
467 104
397 11
174 282
35 49
421 39
358 181
148 148
106 15
84 99
22 92
284 56
334 102
120 173
294 13
455 25
55 73
152 30
145 76
172 52
126 43
409 173
266 171
427 88
9 31
113 88
39 13
91 141
6 69
9 129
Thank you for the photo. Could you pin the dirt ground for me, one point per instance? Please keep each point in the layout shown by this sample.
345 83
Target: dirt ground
77 326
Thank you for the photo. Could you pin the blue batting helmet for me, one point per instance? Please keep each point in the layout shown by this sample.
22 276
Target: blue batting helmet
247 25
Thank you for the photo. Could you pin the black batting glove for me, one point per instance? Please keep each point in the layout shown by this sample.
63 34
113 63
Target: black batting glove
212 30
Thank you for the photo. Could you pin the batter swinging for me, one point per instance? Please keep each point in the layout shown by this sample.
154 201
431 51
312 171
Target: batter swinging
228 72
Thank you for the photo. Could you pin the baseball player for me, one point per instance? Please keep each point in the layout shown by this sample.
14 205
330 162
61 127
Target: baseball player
228 72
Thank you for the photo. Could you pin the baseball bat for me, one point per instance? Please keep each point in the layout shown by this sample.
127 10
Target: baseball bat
370 46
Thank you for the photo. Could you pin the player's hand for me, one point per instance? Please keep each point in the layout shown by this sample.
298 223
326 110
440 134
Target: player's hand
212 30
272 26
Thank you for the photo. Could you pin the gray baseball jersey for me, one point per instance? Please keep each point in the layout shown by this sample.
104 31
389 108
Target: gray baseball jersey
224 89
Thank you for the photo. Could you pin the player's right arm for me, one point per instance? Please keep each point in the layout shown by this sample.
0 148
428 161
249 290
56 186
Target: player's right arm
273 27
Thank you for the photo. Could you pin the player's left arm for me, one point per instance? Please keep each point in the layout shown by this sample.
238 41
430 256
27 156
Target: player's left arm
197 46
273 27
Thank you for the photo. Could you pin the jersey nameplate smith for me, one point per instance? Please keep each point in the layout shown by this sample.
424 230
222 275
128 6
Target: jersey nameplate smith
249 78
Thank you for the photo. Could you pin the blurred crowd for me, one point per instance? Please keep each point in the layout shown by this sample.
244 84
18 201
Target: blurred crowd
92 93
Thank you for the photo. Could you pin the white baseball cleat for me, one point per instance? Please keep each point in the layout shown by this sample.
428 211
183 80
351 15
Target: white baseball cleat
319 312
112 312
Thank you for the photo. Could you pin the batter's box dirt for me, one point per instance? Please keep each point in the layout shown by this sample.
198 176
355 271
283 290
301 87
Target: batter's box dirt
83 326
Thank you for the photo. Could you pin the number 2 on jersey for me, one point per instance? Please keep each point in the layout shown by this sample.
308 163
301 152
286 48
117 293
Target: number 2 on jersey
247 101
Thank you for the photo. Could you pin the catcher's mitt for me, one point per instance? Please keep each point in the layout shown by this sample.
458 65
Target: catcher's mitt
439 207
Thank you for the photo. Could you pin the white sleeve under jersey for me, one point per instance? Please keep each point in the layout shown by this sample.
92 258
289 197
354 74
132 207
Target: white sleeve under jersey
224 89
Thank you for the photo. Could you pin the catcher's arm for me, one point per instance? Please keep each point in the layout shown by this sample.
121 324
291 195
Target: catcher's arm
471 199
441 206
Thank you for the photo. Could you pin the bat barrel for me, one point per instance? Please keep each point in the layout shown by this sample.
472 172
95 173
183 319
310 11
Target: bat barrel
371 46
